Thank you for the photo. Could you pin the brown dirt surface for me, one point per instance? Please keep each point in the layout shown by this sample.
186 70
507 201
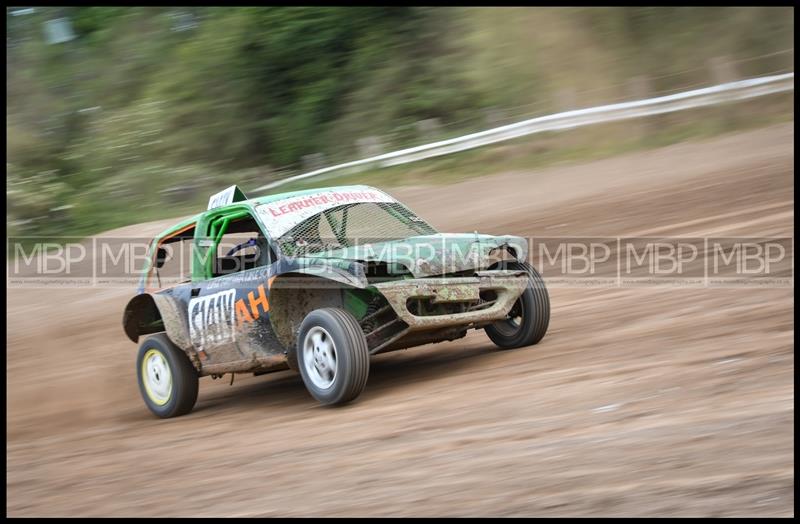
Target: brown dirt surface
639 401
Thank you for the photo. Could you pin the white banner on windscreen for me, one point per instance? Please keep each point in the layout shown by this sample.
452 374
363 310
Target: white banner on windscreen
281 216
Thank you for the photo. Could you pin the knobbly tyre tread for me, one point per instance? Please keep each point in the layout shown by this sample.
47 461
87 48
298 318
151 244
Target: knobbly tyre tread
361 356
542 301
535 329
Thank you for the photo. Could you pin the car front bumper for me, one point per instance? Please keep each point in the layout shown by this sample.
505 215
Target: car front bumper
507 286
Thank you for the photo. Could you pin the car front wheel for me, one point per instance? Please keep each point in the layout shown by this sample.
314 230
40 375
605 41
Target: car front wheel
528 318
332 356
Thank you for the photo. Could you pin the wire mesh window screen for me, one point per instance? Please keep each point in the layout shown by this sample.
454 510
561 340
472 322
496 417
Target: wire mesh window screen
351 225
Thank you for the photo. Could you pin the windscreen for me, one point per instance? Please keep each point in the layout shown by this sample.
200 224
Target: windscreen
351 225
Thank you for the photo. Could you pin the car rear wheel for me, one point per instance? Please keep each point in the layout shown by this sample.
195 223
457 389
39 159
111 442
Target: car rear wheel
528 318
167 380
332 356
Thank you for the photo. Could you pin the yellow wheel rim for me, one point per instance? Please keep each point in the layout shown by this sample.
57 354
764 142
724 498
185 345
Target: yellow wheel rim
156 377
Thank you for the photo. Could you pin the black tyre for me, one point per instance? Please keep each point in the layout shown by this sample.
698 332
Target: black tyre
529 316
332 355
167 379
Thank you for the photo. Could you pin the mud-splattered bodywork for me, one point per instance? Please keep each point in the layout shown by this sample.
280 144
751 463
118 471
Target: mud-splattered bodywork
404 292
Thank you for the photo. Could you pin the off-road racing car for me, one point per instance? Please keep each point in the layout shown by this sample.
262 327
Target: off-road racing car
318 281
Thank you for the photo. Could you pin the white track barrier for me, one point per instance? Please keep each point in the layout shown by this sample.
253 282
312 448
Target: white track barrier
707 96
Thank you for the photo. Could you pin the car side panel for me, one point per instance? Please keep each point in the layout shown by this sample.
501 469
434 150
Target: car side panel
229 318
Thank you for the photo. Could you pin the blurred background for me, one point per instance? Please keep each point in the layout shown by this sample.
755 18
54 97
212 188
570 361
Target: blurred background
119 114
640 401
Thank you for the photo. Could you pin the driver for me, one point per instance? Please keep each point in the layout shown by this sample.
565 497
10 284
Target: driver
262 250
236 249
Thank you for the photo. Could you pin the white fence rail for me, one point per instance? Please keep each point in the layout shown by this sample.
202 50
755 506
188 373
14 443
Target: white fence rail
717 94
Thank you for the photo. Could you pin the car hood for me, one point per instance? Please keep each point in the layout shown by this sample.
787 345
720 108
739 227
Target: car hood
431 255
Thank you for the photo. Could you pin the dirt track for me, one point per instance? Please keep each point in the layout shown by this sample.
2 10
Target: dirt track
637 402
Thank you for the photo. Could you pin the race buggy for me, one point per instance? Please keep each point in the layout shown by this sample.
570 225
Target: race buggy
318 281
